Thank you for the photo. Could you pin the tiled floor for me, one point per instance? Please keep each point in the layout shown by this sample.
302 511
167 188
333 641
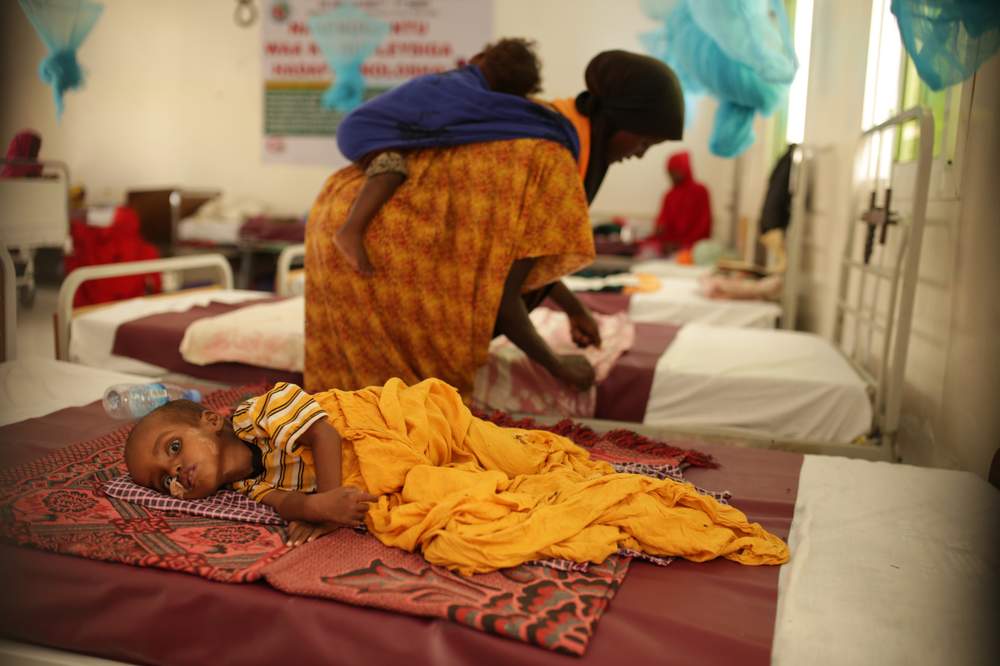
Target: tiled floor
35 335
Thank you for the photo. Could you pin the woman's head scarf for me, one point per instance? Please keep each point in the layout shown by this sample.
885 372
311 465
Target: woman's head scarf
632 92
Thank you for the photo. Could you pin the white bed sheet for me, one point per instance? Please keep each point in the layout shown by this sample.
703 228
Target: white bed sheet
772 383
37 386
92 333
767 383
679 301
670 268
209 230
891 564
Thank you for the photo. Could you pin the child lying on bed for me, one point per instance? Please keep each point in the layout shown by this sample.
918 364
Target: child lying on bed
423 473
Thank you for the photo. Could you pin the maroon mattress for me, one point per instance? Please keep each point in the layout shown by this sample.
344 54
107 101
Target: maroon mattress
713 613
622 396
156 339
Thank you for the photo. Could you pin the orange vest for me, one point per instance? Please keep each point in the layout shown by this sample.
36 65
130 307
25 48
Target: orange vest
581 123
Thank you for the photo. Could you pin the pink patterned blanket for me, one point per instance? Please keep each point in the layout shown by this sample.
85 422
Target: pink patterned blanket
58 503
512 382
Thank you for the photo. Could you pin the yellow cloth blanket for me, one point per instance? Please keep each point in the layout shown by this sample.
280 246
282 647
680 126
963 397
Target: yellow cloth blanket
475 497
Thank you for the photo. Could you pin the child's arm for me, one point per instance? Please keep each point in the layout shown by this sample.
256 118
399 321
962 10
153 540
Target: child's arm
325 442
344 505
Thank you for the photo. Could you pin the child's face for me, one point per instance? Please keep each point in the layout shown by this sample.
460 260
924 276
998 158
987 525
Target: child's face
177 457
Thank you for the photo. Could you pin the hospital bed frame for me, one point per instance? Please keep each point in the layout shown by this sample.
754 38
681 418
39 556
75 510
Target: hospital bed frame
293 255
9 306
881 369
214 263
34 212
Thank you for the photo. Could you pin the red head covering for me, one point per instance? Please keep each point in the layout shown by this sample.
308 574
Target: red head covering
686 215
680 165
24 146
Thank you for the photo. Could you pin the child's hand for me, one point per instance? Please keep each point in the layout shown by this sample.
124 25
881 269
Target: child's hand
300 532
345 505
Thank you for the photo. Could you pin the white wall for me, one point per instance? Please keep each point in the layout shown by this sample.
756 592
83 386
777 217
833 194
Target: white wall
173 97
966 421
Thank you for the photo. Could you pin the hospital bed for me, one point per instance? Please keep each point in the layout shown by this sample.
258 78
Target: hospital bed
680 299
34 213
795 387
890 564
783 389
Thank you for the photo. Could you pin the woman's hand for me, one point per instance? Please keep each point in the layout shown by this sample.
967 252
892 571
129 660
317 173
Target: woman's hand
584 330
300 532
575 370
344 506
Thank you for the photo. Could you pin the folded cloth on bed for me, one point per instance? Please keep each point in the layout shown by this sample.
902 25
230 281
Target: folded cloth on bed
266 335
156 339
512 382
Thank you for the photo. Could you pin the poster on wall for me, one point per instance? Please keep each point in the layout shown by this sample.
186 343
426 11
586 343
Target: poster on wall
411 38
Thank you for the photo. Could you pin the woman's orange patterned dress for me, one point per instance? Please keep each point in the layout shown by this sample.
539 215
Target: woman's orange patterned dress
442 248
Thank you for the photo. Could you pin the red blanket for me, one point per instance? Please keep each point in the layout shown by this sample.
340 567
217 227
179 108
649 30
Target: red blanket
57 503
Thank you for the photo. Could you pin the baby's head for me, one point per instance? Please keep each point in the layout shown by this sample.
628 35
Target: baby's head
510 66
177 449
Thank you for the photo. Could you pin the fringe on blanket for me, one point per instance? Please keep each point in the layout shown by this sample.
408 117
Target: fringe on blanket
587 437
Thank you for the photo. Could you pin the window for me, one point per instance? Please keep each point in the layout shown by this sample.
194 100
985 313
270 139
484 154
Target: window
790 120
944 106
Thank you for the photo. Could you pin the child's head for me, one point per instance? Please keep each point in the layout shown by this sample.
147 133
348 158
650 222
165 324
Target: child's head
510 66
177 449
679 167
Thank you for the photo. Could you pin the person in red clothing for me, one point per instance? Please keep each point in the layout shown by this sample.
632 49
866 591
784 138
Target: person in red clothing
109 245
686 214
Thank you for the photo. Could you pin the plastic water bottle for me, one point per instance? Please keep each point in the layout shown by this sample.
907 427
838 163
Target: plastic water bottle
133 401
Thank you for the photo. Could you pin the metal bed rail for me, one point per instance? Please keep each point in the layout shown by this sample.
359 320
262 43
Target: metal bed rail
9 306
291 255
218 264
883 267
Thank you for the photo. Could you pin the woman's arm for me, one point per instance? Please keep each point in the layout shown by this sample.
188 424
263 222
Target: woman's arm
583 326
514 322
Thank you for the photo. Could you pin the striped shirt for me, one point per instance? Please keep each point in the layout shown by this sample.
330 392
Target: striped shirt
271 424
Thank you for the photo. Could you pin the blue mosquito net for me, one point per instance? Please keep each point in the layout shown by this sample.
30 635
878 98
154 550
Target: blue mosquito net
63 25
346 36
738 51
948 39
